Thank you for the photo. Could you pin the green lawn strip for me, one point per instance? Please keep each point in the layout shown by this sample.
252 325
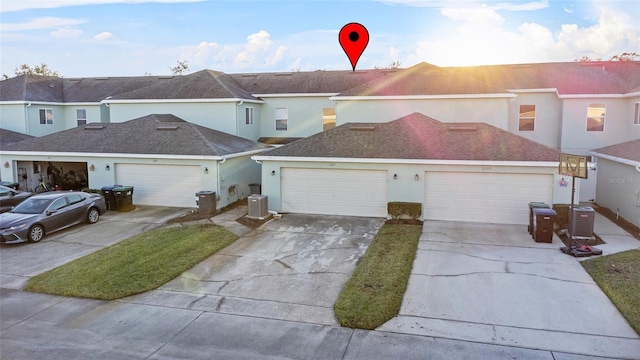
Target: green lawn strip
374 293
138 264
618 275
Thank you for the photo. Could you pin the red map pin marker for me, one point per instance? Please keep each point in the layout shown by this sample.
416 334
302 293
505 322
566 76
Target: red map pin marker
353 38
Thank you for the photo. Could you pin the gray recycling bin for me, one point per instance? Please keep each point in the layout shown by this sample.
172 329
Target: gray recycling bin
124 198
206 201
109 196
535 205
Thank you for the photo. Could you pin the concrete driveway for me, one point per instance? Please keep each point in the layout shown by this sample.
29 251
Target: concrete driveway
494 284
22 261
288 269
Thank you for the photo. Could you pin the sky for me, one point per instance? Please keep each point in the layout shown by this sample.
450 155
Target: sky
95 38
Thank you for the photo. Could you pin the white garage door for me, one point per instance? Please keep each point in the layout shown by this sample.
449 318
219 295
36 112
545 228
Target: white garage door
484 197
334 192
161 185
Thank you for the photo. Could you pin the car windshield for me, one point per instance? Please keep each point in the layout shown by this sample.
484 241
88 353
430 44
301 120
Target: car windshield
32 206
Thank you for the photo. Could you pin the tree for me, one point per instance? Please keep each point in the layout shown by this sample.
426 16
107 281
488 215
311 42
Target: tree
180 68
625 56
42 69
394 65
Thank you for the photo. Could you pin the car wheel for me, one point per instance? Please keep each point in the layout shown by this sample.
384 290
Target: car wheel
93 216
36 233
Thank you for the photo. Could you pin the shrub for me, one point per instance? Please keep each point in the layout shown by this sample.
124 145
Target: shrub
398 209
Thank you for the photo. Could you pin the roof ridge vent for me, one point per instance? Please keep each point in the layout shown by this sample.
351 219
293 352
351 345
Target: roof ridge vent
462 127
94 126
362 128
167 127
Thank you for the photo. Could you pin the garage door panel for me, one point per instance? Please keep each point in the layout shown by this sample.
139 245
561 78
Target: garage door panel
334 191
484 197
161 185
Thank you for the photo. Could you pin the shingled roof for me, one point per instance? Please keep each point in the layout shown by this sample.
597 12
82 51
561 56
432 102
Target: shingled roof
417 136
9 137
31 87
163 134
98 89
205 84
629 150
314 82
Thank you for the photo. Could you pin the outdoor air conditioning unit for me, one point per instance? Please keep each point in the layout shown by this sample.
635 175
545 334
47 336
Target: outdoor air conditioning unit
581 224
258 208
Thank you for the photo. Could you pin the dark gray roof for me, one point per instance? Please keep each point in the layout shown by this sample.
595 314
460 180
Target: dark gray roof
31 87
9 137
152 134
417 136
300 82
629 150
98 89
205 84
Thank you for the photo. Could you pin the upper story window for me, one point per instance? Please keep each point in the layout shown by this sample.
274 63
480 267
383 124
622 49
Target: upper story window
595 116
46 116
248 116
328 118
636 114
282 116
527 117
81 116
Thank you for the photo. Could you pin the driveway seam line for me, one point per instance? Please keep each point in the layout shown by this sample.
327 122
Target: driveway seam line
346 348
174 336
506 273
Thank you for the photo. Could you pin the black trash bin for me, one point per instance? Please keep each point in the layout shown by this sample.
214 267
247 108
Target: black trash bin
124 198
109 196
543 224
535 205
255 189
206 201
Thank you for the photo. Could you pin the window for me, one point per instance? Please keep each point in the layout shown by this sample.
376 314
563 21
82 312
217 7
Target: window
248 116
328 118
58 204
75 198
527 117
595 117
636 115
46 116
81 116
282 115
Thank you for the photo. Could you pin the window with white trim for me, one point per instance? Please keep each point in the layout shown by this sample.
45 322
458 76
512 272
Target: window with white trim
595 116
328 118
81 116
248 116
526 117
282 116
636 115
46 116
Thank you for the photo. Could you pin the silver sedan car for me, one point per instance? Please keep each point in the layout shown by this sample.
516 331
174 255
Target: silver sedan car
49 212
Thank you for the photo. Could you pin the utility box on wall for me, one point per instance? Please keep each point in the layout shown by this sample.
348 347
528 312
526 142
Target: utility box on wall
258 207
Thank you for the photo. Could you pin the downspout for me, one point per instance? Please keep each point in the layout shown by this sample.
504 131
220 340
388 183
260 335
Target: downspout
638 196
238 121
26 118
218 163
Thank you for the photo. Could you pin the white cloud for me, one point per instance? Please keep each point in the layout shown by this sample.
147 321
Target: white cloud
492 4
47 22
103 36
66 33
17 5
481 16
274 59
258 44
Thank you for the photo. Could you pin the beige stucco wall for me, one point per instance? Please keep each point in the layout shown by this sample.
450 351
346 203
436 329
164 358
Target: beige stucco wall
305 115
219 116
405 188
619 189
494 111
548 121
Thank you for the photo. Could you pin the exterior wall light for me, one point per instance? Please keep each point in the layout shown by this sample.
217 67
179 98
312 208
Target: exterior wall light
92 167
206 170
6 164
273 172
417 177
395 176
107 167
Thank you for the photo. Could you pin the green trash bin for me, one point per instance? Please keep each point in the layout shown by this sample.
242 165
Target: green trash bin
124 198
535 205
